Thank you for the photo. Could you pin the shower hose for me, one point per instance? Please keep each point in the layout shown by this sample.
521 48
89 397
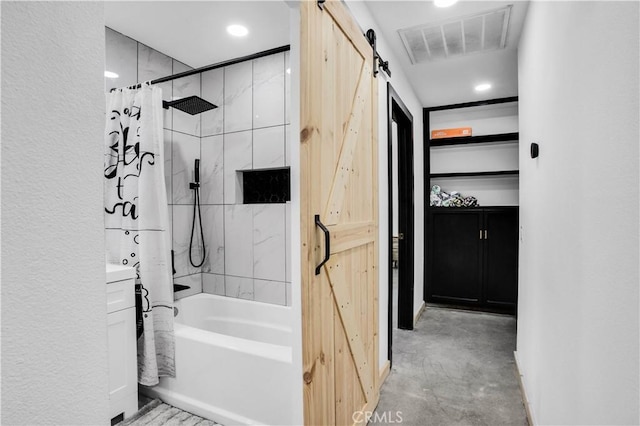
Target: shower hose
196 208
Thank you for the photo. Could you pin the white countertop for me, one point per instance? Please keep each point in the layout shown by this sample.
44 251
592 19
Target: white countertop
119 273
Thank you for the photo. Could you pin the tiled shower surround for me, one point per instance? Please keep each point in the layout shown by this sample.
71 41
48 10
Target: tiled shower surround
247 245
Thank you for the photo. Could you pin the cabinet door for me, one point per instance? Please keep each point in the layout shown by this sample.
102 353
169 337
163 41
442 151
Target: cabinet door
455 257
501 258
123 374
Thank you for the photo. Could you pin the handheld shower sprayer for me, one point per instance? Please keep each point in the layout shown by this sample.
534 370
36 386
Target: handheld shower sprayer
196 175
196 208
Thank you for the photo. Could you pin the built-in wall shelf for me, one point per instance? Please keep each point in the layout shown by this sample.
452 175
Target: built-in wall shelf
493 150
501 137
483 240
475 174
474 104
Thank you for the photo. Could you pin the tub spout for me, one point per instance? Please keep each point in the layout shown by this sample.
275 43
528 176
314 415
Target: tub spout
180 287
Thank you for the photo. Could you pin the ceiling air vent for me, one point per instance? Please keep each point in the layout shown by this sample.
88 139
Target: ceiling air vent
461 36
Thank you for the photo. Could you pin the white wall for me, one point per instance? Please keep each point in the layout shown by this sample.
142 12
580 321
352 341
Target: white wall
54 320
405 91
578 296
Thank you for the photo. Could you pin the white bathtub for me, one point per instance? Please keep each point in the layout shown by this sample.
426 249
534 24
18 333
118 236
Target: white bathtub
233 361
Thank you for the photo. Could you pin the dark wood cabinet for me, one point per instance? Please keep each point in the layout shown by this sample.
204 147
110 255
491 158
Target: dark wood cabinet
456 266
473 257
501 257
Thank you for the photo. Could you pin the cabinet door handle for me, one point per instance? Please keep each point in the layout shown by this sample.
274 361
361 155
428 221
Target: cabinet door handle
485 235
481 234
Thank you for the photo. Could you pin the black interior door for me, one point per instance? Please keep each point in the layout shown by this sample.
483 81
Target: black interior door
405 219
456 260
399 114
501 257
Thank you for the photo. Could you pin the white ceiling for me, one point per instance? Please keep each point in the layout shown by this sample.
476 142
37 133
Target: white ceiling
194 32
452 80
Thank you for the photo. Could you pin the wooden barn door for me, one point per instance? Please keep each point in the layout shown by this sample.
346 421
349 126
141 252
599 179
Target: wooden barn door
338 193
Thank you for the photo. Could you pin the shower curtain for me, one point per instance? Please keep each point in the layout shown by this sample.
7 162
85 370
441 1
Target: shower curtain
137 220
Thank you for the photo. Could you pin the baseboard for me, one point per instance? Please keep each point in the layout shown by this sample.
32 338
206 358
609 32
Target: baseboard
384 372
417 315
523 390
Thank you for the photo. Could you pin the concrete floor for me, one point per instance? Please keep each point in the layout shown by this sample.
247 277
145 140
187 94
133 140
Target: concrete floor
455 368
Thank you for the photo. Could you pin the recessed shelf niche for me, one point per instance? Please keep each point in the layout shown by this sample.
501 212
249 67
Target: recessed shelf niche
266 186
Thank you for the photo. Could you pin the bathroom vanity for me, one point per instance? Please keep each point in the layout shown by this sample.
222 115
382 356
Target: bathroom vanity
121 317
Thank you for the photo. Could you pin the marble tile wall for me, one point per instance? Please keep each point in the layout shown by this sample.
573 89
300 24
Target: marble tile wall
248 131
247 246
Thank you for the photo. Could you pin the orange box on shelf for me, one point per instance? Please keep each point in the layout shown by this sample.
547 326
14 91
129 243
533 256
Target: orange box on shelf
451 133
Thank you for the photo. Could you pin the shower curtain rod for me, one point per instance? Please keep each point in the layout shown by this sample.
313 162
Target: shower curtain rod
212 67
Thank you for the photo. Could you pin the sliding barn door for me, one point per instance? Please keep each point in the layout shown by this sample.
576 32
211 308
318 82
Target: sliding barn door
339 204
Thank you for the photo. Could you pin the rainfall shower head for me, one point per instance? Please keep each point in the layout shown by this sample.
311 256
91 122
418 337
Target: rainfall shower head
192 105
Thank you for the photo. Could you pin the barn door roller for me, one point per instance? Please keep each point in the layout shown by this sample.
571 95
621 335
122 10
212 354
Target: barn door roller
378 62
321 4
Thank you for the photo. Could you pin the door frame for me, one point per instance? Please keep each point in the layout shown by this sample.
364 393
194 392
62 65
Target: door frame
406 223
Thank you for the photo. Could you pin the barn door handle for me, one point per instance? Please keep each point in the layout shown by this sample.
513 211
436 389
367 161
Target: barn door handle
327 243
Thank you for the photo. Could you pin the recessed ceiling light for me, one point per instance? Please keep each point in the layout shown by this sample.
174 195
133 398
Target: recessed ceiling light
483 87
110 74
237 30
444 3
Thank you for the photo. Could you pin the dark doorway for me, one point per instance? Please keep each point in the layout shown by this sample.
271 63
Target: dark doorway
401 213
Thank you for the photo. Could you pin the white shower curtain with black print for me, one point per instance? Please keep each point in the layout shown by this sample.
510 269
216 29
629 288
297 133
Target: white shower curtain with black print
137 220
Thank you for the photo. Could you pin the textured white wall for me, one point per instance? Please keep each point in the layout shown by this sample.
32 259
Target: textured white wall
578 300
405 91
54 322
